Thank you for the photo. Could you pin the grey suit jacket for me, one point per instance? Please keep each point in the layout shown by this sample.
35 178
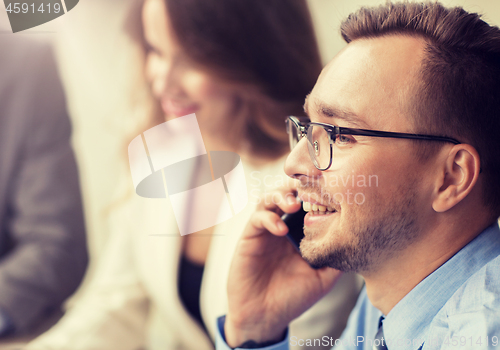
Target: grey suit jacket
43 252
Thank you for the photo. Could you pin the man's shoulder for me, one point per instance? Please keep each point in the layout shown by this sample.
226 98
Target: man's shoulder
481 290
472 312
477 302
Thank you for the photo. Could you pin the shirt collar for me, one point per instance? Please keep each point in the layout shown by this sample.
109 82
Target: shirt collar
411 317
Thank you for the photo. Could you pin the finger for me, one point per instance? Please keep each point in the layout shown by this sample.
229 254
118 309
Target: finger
264 220
288 189
280 201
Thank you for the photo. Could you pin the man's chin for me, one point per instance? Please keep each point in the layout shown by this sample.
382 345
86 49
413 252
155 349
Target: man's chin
316 263
312 254
344 259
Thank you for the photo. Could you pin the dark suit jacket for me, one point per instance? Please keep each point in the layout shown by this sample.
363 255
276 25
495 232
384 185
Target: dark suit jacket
43 252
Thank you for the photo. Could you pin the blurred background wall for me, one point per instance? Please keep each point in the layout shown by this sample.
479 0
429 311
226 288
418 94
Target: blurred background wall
328 14
99 69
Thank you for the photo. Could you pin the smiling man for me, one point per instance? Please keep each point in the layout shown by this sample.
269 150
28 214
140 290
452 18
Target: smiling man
413 100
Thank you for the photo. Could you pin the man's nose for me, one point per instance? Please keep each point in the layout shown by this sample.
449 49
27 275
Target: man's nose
299 163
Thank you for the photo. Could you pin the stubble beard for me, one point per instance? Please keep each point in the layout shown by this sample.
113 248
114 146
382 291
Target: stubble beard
388 230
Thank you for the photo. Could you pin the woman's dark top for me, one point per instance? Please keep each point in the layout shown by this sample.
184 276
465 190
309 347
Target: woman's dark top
190 275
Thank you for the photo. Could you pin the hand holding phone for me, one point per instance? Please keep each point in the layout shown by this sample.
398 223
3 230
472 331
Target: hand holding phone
269 284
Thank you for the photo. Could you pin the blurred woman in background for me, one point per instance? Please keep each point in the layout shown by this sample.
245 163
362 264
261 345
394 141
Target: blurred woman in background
241 67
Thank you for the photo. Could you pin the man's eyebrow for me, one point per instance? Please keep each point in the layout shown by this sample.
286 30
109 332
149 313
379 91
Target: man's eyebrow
331 112
347 116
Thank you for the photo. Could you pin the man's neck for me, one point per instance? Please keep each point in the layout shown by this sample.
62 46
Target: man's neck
393 280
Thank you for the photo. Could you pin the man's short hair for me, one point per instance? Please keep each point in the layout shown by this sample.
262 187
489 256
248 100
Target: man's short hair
459 91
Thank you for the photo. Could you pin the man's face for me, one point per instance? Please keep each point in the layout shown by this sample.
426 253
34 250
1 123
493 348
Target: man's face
376 186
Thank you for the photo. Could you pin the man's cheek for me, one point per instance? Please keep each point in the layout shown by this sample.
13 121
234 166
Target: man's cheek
353 188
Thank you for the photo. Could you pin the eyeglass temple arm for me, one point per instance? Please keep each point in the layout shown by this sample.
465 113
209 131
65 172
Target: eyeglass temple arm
398 135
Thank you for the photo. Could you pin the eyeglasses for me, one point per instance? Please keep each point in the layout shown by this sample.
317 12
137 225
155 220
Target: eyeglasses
325 140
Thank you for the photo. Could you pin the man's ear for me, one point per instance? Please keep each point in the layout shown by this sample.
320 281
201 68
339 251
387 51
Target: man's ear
461 171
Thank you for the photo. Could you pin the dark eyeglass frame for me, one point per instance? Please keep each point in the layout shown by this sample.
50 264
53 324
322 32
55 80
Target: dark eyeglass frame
334 131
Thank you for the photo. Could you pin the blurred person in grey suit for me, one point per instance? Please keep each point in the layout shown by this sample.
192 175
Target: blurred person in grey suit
43 253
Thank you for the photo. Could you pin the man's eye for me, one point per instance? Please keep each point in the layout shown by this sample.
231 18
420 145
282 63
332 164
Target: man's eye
344 139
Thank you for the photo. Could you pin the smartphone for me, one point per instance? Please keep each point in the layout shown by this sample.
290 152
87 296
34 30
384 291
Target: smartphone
295 223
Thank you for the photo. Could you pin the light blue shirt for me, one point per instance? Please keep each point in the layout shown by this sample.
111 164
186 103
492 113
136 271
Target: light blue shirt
455 307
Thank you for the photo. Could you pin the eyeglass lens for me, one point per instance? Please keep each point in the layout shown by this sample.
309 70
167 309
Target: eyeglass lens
293 134
319 146
318 143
